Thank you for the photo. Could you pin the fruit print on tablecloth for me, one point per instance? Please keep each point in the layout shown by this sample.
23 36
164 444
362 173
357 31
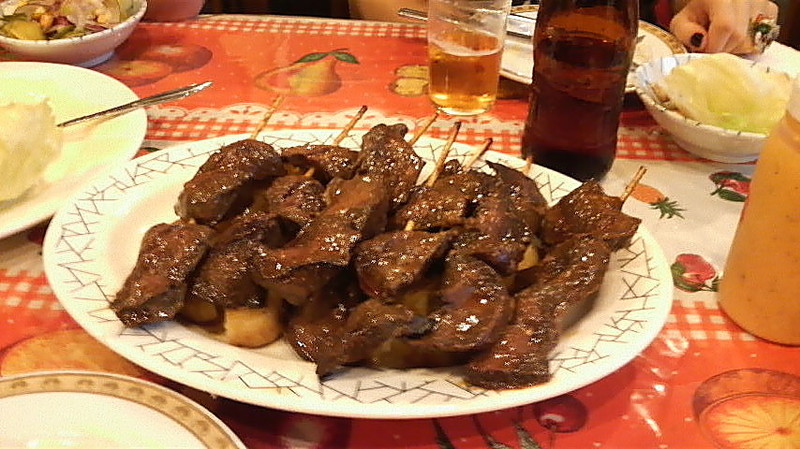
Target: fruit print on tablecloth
155 62
313 75
692 273
730 186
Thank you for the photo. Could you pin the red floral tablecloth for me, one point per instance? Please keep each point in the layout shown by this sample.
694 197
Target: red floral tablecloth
664 398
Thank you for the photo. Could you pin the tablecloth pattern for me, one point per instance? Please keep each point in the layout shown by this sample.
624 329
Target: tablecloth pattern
690 205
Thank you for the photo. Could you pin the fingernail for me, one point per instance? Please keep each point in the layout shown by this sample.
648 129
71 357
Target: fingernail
696 39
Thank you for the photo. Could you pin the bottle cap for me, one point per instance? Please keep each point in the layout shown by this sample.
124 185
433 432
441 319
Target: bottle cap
793 107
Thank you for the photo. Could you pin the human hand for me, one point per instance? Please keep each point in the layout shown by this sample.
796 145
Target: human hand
714 26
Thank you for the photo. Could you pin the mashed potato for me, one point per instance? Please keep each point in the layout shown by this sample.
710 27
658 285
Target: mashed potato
29 141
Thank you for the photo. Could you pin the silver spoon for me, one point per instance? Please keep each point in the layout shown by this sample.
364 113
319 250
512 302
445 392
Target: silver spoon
170 95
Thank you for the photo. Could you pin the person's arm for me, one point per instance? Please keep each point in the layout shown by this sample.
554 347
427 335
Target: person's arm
714 26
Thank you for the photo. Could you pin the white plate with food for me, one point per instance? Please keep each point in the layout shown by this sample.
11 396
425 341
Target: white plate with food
88 409
93 242
652 43
84 149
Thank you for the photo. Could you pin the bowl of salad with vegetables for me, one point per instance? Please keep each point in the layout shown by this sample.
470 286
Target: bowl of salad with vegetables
79 32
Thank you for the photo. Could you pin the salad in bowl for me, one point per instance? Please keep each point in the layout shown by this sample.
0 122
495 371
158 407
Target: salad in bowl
58 19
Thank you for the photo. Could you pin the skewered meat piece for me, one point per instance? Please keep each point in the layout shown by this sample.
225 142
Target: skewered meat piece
369 325
315 325
495 234
257 225
527 202
440 206
223 278
155 289
588 209
392 261
209 195
389 158
476 306
571 273
298 284
328 161
358 212
296 199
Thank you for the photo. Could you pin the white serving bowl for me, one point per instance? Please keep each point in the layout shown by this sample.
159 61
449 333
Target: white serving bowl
85 51
708 141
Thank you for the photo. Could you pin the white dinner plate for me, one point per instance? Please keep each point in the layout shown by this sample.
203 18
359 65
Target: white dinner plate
92 245
98 410
652 43
88 148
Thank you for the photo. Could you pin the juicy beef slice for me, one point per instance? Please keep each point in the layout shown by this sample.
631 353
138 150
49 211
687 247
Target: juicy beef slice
390 262
298 284
476 306
571 273
527 202
440 206
473 184
328 161
226 174
389 158
257 226
588 209
367 327
495 235
296 199
155 289
223 279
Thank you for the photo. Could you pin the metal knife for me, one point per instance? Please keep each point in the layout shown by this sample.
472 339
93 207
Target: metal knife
517 26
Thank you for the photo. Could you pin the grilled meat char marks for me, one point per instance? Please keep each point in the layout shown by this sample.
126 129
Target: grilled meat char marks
155 289
216 186
571 273
588 209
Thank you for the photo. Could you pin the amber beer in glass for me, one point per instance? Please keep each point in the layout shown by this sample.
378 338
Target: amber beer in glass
582 54
465 44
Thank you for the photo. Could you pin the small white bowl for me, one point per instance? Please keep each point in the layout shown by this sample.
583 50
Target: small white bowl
85 51
708 141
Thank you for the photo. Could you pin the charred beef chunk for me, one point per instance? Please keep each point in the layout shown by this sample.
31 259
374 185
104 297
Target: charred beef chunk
440 206
299 284
473 184
296 199
387 157
155 289
476 306
209 195
257 226
495 234
368 326
588 209
393 261
527 202
223 279
358 212
328 161
571 273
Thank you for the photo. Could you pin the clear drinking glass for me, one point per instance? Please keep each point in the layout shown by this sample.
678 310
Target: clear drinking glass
465 44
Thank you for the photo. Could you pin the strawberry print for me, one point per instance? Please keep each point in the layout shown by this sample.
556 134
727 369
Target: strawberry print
691 273
731 186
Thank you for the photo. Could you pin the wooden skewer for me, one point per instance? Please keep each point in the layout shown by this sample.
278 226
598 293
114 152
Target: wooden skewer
528 166
634 182
422 129
443 155
478 153
276 103
350 125
437 170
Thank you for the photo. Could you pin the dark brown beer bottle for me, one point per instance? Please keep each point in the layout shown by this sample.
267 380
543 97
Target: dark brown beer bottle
582 52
